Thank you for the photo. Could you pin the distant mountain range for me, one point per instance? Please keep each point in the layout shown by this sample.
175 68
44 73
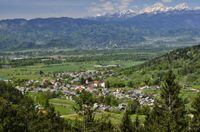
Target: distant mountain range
154 26
154 9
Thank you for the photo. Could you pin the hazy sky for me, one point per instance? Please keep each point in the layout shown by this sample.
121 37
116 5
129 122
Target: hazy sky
76 8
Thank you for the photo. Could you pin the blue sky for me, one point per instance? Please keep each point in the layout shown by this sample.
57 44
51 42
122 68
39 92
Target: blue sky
76 8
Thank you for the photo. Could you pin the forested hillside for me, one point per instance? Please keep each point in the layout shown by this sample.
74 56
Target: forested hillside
172 29
64 32
19 113
184 62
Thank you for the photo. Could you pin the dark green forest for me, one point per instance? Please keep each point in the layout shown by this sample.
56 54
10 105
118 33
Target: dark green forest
19 113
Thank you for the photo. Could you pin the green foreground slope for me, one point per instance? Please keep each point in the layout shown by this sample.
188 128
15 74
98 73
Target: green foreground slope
184 62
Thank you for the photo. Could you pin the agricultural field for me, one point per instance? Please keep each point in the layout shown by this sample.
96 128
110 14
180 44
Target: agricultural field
29 65
65 108
33 72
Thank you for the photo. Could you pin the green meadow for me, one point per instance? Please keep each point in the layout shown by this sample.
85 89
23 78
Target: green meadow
65 108
33 72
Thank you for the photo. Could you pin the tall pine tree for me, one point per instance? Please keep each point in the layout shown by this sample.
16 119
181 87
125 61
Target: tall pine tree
168 114
136 125
195 124
126 124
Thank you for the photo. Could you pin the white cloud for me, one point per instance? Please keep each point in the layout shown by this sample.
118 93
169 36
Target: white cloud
197 8
160 7
102 7
110 6
124 4
166 1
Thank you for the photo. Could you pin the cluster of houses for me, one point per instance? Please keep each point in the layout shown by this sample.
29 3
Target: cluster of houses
102 107
19 57
58 85
142 98
137 94
90 74
70 90
91 84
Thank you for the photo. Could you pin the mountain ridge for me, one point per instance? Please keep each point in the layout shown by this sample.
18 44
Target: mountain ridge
153 9
102 32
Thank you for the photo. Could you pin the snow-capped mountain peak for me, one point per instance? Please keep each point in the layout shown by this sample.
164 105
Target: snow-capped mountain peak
123 13
159 7
127 12
182 6
153 9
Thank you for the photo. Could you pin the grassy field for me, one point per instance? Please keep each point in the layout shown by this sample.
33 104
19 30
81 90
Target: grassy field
74 60
114 117
117 117
32 72
151 91
65 108
196 87
187 95
38 98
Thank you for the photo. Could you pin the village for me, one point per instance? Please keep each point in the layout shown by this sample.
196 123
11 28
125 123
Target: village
70 84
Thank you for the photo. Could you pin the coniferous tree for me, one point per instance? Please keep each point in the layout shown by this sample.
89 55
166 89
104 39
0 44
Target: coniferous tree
168 114
104 124
18 113
133 106
136 125
126 124
195 124
85 107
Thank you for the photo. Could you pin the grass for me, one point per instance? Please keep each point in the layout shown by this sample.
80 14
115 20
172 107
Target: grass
114 117
189 97
63 106
72 117
117 117
188 94
32 72
196 87
151 91
64 110
38 98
